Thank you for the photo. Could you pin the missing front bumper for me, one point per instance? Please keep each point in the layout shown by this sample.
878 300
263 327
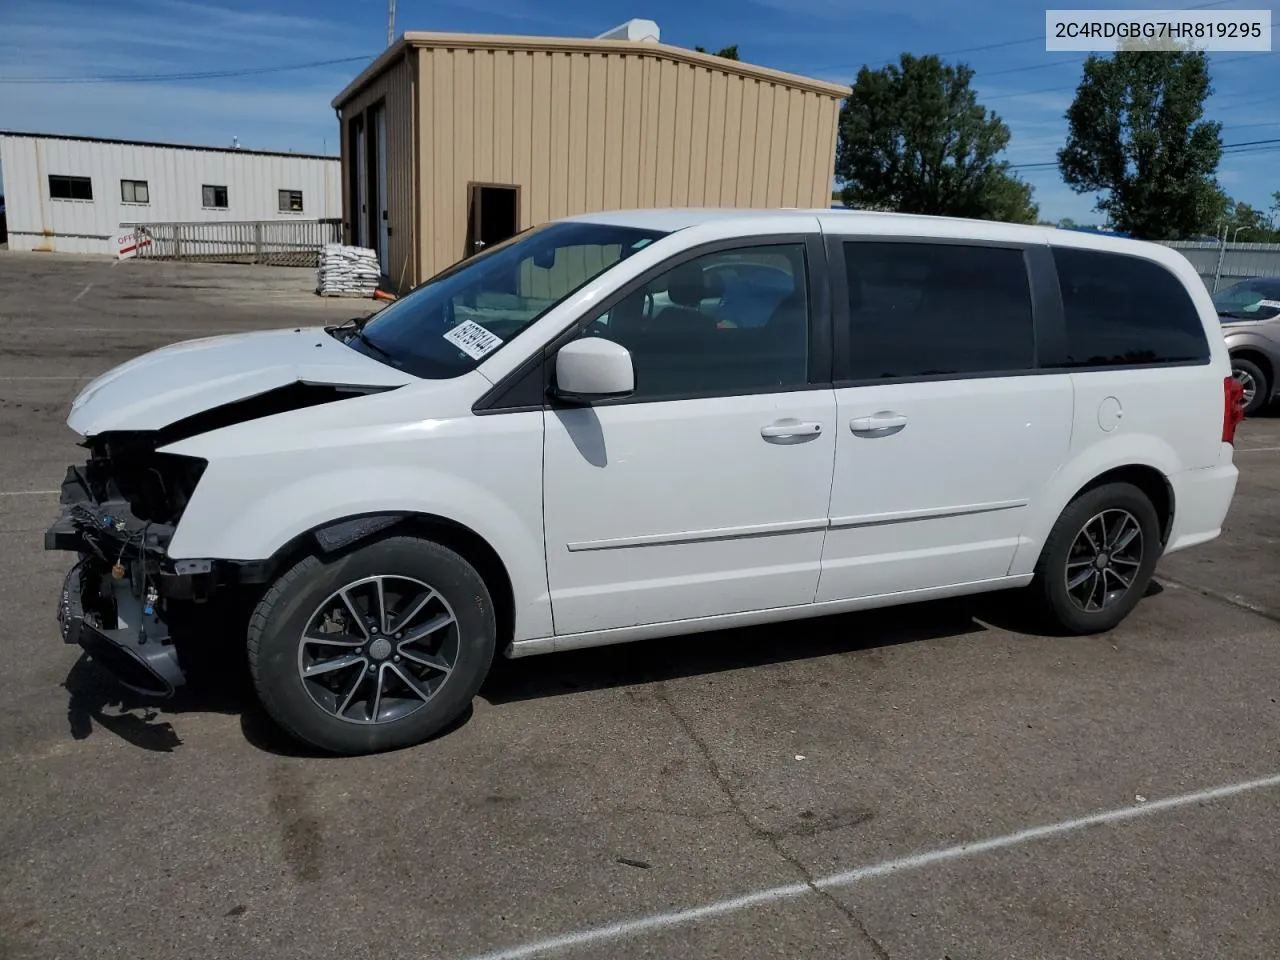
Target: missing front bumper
119 630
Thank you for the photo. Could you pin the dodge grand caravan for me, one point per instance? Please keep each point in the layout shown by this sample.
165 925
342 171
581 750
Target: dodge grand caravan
643 424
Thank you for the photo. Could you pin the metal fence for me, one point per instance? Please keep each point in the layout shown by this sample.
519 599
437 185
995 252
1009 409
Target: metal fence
283 243
1222 264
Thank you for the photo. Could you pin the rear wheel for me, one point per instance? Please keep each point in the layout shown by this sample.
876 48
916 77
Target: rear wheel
1099 559
378 649
1253 381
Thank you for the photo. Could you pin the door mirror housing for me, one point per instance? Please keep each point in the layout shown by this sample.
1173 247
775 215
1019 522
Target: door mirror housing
591 369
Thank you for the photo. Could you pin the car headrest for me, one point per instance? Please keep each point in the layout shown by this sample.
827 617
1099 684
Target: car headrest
686 285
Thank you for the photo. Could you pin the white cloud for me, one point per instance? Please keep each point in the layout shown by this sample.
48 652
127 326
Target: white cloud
277 111
176 26
298 119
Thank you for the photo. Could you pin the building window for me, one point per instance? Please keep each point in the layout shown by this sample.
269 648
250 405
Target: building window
290 201
70 188
134 191
214 197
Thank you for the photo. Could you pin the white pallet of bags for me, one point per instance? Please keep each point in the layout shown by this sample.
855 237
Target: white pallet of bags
347 271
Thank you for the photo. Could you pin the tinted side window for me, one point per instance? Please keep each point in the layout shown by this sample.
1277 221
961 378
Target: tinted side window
932 309
725 323
1124 310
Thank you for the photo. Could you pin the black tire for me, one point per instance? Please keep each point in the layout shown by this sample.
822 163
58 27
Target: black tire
1262 387
1050 586
277 625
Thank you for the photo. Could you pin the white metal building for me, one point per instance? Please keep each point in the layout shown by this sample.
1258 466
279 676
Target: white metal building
71 194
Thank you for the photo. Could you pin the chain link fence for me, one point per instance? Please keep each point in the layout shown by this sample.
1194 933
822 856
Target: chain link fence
1221 265
282 243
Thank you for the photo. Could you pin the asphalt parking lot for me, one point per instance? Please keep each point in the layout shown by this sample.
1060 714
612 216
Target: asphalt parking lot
800 791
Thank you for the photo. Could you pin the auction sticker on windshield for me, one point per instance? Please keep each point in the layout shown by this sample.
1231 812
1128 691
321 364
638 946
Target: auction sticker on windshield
472 339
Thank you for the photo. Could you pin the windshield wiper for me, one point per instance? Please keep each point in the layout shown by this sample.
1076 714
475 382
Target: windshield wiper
354 323
364 338
355 326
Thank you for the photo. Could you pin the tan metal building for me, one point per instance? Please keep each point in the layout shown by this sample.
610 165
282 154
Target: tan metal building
451 142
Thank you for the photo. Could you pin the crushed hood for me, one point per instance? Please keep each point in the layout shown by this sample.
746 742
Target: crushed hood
175 382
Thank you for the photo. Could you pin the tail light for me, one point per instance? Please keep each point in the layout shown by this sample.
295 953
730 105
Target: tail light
1232 408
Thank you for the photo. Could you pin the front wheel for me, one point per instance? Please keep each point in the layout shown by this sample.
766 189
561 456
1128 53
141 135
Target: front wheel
1253 382
378 649
1098 560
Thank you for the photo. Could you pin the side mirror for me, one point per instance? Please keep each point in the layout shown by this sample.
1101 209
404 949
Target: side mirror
592 369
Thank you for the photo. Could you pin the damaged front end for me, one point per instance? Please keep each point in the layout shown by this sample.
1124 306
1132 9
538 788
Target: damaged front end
120 509
118 513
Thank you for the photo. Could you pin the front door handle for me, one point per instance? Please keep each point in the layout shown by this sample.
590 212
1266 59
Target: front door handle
885 423
791 431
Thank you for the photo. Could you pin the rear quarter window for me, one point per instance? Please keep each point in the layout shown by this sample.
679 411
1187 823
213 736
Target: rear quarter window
1123 311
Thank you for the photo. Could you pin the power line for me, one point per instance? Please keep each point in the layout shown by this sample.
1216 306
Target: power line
1038 38
204 75
1228 149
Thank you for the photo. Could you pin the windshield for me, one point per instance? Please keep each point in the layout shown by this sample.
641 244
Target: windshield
445 327
1249 300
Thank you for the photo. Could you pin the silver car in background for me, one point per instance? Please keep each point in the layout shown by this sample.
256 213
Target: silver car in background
1250 315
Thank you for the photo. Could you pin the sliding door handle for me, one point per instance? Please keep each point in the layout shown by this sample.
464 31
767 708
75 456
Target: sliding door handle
883 424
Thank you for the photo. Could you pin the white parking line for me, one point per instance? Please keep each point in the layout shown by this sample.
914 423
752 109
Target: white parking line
663 921
86 377
27 493
1257 449
86 289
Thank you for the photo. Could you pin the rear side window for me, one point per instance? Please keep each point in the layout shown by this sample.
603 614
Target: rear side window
934 309
1124 311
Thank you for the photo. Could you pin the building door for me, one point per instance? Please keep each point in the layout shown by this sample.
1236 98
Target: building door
361 212
493 215
380 227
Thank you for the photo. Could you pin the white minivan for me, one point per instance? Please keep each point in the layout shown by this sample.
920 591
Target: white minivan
641 424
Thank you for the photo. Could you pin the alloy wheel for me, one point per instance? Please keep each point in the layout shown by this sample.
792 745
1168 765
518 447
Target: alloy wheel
378 649
1248 385
1104 560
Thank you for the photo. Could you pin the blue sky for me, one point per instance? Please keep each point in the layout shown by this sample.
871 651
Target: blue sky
830 39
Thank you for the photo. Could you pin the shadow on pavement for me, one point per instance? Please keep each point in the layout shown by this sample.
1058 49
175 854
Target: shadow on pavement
652 661
220 683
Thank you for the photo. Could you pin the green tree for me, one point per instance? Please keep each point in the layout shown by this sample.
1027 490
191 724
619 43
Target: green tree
913 138
1066 223
1136 133
1248 224
729 53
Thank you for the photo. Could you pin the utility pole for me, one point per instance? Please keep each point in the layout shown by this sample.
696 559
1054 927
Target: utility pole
391 22
1222 253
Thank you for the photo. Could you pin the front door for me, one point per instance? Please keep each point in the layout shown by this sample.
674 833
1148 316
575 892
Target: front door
944 435
706 491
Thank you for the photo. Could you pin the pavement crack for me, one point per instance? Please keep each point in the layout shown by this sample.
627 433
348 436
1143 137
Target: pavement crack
770 838
1240 603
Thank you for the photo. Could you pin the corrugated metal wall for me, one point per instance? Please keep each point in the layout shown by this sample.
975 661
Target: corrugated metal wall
393 87
174 177
586 131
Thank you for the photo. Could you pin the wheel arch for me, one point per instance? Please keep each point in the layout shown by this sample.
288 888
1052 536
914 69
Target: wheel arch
1153 483
344 535
1142 460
